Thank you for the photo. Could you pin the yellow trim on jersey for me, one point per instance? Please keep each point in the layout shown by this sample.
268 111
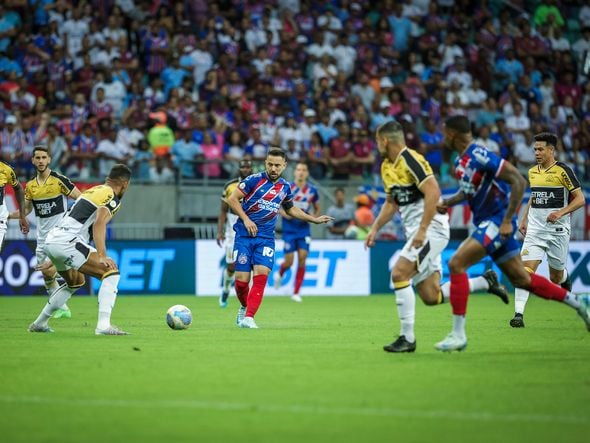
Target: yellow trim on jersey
53 186
7 175
403 177
551 187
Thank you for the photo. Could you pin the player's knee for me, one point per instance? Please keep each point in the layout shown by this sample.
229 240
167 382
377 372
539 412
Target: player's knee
521 279
398 275
231 268
455 266
430 298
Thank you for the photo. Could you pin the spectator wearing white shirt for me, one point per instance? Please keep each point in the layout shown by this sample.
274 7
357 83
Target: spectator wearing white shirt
364 90
485 140
110 152
345 55
289 131
584 15
518 123
202 61
73 30
460 74
308 126
325 68
558 41
115 92
114 31
449 50
582 45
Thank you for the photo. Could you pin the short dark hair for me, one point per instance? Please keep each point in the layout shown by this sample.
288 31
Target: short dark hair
41 148
276 152
245 162
120 172
547 137
339 189
302 162
459 123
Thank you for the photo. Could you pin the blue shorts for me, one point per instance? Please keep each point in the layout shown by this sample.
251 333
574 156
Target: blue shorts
294 242
251 251
487 233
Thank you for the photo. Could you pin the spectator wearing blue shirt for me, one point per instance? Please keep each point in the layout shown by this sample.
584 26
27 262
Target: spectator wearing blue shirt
431 145
508 69
400 27
184 152
173 75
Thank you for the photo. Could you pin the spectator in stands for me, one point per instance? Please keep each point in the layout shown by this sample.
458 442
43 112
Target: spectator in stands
160 136
342 213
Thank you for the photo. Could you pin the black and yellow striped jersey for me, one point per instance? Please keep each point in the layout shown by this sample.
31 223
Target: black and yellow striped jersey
550 191
49 200
401 180
7 177
79 220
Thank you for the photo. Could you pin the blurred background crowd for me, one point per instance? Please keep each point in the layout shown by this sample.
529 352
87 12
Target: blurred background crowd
184 89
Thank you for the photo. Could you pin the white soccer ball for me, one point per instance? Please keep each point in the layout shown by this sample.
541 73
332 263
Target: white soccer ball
179 317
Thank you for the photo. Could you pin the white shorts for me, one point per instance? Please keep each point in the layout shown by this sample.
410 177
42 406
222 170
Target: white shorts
3 228
428 257
538 244
230 238
68 255
40 253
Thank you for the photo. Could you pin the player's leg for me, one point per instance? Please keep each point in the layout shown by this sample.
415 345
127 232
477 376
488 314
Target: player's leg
302 252
470 251
544 288
521 295
228 272
290 246
107 293
557 253
243 265
262 261
73 281
50 278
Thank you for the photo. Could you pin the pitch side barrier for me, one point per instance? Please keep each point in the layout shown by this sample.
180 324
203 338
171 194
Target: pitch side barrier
194 267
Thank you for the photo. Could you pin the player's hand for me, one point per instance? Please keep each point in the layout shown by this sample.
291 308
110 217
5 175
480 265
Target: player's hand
251 227
323 219
553 217
24 225
506 229
220 239
44 266
370 239
522 229
108 262
442 207
419 239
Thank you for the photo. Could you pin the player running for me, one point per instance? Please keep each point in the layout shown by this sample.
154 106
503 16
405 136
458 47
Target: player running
67 246
297 233
47 194
261 196
412 188
555 193
494 188
8 177
225 229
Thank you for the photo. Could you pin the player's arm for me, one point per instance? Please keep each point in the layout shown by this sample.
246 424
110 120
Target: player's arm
221 222
388 209
234 203
28 208
522 227
75 193
99 229
455 199
316 208
577 202
510 174
22 216
284 214
304 216
431 191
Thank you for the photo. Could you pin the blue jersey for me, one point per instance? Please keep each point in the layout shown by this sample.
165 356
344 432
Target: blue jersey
261 203
477 171
304 199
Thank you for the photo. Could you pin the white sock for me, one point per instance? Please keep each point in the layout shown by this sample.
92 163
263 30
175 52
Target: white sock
227 278
520 298
51 286
478 284
564 277
572 300
459 325
107 294
406 309
58 299
445 288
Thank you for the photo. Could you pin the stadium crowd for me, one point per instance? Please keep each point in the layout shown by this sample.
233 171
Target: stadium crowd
188 88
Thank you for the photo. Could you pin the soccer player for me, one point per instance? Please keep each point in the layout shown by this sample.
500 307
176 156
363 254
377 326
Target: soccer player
47 194
494 188
225 229
67 246
8 177
412 188
261 196
297 233
555 193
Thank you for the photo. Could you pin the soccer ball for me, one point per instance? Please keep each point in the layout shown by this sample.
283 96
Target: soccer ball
179 317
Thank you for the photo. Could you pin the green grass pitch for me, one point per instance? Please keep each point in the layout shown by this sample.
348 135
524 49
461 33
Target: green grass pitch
314 372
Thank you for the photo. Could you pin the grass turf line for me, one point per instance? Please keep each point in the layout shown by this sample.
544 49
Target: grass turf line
315 371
